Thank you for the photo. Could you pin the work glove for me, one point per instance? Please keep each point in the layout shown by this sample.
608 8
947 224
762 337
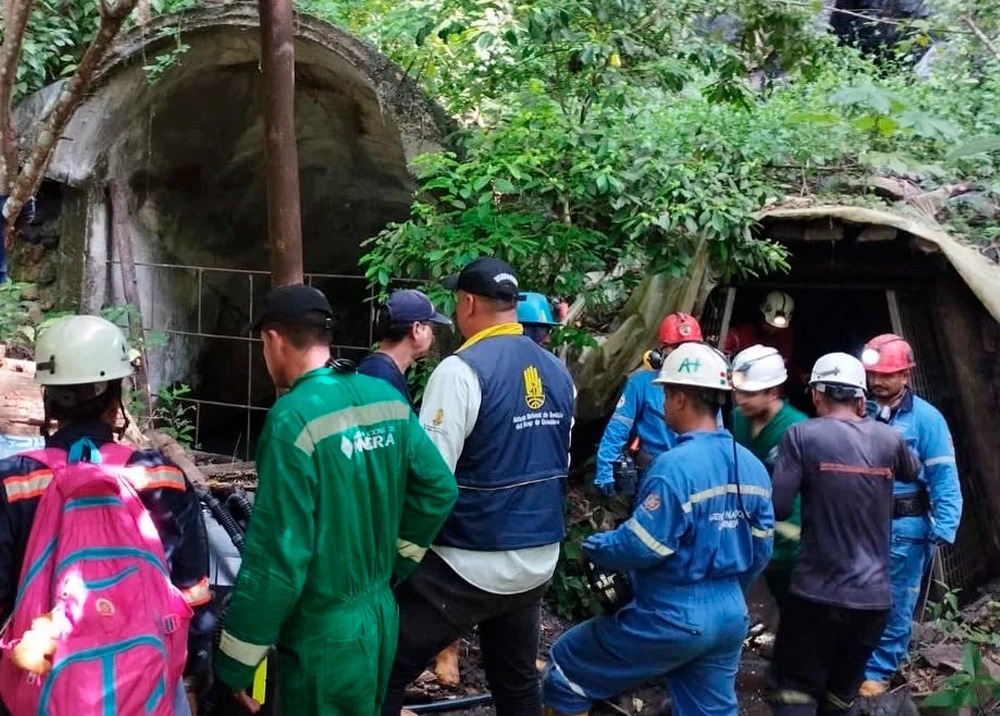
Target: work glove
605 486
593 544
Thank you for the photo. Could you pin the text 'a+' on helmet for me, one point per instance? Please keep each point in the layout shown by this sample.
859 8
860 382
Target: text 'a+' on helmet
757 368
534 308
840 372
695 364
777 309
888 353
81 349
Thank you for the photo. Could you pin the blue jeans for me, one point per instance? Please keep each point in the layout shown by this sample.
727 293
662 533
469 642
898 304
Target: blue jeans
909 558
182 707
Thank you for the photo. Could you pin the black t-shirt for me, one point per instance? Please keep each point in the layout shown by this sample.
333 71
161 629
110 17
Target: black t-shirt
380 365
844 470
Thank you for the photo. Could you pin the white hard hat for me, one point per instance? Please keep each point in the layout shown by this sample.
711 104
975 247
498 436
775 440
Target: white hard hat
839 370
696 364
81 349
777 309
758 368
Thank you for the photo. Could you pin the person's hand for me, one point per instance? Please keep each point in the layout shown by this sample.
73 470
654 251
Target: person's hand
592 544
193 702
245 700
605 487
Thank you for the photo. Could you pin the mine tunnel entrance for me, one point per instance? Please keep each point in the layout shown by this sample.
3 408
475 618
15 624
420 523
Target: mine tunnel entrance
843 300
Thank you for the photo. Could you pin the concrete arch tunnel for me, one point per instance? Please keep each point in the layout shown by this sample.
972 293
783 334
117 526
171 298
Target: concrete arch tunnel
187 146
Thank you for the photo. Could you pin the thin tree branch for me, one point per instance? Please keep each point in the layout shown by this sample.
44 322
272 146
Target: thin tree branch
113 15
16 14
982 36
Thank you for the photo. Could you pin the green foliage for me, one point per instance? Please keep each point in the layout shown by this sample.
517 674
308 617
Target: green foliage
570 596
57 34
173 416
122 316
973 686
165 60
14 325
948 619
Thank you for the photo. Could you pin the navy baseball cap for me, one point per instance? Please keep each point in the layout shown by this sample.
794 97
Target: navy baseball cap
411 306
486 276
295 304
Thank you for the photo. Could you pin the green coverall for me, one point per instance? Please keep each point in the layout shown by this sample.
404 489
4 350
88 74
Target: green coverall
764 446
351 492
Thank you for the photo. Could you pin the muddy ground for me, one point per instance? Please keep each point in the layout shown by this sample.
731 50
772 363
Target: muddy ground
936 654
644 701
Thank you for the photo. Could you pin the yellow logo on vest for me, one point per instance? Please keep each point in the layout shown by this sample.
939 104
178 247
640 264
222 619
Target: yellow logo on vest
534 394
438 417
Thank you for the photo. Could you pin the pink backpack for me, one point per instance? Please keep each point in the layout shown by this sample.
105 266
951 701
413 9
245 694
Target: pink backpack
95 561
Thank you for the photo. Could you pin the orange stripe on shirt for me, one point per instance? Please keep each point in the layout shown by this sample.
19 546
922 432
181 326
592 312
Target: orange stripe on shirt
155 478
27 487
860 469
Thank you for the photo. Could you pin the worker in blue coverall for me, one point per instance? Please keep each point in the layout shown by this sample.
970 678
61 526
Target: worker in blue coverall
926 513
701 532
639 412
534 313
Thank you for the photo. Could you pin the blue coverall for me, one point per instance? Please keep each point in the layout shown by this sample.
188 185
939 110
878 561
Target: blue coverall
914 538
690 552
639 412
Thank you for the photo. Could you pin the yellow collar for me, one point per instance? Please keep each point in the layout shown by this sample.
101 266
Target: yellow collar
503 329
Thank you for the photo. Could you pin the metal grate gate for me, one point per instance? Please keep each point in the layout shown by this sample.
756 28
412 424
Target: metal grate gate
196 331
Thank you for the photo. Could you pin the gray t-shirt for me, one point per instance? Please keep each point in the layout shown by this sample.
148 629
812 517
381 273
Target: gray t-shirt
844 470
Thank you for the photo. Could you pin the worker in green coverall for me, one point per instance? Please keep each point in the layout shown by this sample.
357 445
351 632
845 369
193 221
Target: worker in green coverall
351 492
759 421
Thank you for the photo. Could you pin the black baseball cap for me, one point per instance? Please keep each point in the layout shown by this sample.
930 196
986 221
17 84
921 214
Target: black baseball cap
411 306
295 304
486 276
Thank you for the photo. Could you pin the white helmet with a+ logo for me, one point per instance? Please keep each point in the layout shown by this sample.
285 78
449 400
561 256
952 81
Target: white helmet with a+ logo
696 364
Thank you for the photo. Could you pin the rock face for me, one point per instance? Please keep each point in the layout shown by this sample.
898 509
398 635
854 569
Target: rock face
187 143
872 36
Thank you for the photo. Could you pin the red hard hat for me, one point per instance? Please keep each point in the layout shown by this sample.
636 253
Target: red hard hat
887 353
679 328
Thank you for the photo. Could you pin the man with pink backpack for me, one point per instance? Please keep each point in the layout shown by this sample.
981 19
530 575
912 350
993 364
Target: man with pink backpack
103 556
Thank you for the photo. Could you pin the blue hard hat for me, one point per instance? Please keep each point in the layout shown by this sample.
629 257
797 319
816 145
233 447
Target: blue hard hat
534 308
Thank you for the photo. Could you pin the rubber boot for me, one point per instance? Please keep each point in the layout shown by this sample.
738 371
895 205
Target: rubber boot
870 688
446 665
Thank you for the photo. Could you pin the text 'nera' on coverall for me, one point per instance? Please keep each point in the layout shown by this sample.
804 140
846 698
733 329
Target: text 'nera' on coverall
913 538
350 492
690 551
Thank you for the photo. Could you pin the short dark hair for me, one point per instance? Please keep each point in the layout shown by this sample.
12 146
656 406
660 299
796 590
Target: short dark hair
498 305
706 400
392 332
300 335
78 403
835 395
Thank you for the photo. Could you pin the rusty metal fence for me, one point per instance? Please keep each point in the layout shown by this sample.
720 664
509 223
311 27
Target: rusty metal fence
206 320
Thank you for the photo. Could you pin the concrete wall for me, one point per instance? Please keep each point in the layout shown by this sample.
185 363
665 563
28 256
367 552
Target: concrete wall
189 149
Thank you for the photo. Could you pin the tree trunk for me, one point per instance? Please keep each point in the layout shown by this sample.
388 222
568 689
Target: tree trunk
15 17
284 222
113 15
130 286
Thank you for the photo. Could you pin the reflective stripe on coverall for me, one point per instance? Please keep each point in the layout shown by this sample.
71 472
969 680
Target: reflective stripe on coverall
351 491
913 538
690 552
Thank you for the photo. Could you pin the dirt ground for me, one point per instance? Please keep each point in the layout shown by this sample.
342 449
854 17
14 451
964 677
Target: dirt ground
647 700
